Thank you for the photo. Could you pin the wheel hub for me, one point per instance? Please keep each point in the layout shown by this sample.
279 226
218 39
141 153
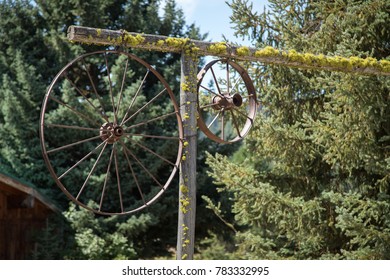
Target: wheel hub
226 101
111 132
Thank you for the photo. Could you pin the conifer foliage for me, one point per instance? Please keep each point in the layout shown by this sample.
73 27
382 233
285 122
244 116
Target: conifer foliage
313 178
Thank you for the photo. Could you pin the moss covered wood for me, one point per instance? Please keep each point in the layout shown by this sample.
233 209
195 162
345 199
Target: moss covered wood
268 55
187 176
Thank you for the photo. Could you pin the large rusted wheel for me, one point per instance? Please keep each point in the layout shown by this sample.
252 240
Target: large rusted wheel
111 132
226 101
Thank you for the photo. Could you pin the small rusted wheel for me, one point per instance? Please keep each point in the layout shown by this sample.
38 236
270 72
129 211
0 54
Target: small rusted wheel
111 132
226 101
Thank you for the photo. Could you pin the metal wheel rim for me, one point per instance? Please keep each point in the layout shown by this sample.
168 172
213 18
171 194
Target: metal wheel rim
175 114
252 102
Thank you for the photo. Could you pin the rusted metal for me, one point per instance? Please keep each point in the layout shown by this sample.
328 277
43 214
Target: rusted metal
106 133
226 101
111 133
227 106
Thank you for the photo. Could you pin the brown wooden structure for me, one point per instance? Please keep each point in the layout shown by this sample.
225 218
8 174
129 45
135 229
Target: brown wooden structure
23 211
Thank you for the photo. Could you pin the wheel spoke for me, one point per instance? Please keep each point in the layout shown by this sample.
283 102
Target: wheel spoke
73 144
227 76
106 180
135 97
241 113
118 177
236 83
235 124
73 110
248 96
143 107
102 113
211 91
216 81
133 174
91 171
215 118
151 120
110 89
83 95
143 166
154 136
72 127
122 87
83 159
207 106
152 152
223 124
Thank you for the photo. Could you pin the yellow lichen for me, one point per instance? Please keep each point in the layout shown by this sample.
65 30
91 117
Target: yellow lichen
321 59
133 41
290 58
339 62
184 189
218 48
309 58
160 43
177 43
243 51
267 51
184 203
185 228
293 55
185 87
194 49
118 40
384 65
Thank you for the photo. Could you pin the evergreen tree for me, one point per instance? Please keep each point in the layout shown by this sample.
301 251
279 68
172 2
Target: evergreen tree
22 88
312 180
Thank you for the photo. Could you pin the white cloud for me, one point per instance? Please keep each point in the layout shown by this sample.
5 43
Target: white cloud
188 7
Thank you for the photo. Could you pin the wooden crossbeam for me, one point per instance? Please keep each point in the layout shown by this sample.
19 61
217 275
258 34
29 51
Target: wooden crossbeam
267 55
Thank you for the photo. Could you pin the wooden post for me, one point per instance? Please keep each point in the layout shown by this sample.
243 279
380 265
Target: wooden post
187 181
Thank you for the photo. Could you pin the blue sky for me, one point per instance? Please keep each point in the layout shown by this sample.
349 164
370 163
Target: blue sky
213 16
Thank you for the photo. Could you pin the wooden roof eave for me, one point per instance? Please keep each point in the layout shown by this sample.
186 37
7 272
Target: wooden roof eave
16 184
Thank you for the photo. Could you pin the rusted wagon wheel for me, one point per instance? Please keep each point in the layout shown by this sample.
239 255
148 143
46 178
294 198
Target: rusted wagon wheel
111 132
226 101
